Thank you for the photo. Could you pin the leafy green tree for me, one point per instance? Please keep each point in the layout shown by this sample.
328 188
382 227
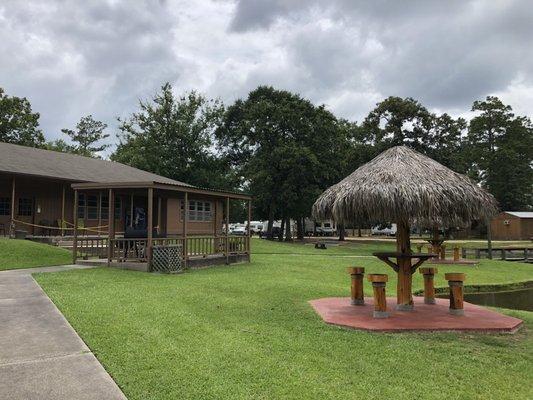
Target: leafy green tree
59 145
446 142
286 150
174 137
86 136
18 123
397 121
501 153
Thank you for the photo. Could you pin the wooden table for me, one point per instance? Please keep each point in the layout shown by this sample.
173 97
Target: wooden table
405 268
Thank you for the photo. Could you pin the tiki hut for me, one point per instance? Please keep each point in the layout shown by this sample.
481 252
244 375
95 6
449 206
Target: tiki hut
403 186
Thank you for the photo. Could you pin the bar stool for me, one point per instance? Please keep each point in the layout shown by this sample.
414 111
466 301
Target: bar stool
455 281
429 286
380 299
357 274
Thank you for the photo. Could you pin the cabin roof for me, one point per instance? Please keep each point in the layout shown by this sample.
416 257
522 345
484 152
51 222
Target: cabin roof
24 160
520 214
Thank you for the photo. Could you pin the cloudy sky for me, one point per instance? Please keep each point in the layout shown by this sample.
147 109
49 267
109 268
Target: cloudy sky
73 58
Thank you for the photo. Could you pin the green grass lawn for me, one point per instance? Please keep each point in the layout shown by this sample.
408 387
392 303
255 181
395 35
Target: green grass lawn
16 254
247 332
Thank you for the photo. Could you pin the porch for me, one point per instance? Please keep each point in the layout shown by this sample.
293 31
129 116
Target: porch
163 228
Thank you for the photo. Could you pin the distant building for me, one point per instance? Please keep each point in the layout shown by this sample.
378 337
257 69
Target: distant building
512 225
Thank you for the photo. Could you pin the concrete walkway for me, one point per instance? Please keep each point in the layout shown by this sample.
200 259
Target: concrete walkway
41 356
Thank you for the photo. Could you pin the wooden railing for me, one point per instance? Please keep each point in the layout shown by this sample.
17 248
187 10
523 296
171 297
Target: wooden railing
136 249
129 249
91 247
238 244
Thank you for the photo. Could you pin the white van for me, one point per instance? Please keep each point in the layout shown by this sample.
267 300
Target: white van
384 231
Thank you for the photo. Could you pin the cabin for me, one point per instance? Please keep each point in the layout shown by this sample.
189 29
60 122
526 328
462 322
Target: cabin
115 213
512 225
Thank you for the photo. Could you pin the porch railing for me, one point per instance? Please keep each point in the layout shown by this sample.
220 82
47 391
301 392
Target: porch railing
197 246
92 247
129 249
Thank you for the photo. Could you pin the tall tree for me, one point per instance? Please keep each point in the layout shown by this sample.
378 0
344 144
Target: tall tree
174 137
285 148
86 136
18 123
501 153
397 121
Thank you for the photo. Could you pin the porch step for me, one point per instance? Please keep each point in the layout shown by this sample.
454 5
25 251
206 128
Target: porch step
94 262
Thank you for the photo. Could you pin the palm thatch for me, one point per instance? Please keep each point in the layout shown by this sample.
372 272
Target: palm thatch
402 185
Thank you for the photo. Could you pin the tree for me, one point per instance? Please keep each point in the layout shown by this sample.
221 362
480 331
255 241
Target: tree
285 149
173 136
396 121
18 123
86 136
446 142
501 151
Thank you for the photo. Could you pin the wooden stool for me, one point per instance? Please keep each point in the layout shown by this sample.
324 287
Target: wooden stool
456 253
380 300
455 281
358 297
429 287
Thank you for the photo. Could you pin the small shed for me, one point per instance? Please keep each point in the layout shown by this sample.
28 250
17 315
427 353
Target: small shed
512 225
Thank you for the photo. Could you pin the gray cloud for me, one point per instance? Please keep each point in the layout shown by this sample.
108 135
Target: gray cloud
99 57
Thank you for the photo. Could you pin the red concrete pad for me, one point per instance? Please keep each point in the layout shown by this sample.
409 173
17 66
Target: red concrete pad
425 317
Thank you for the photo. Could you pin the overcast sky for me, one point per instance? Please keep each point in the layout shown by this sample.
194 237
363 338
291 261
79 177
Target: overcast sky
73 58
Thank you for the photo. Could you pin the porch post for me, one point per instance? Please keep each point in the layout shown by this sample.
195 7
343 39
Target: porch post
99 213
75 218
12 221
159 215
150 226
131 211
184 227
63 212
248 228
227 230
110 226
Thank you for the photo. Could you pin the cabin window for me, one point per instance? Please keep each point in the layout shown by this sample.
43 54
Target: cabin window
81 205
92 207
25 206
104 207
199 211
5 206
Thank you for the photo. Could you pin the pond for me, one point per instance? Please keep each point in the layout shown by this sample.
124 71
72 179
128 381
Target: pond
521 299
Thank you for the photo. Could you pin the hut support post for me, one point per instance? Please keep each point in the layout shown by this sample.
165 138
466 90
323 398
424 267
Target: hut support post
404 287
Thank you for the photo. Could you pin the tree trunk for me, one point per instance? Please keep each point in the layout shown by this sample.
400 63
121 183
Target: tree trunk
280 236
270 223
342 233
288 235
300 229
359 232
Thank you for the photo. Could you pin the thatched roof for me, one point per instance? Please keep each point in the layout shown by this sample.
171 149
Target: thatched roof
403 185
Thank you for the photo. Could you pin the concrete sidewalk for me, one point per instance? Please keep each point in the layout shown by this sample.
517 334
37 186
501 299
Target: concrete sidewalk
41 356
